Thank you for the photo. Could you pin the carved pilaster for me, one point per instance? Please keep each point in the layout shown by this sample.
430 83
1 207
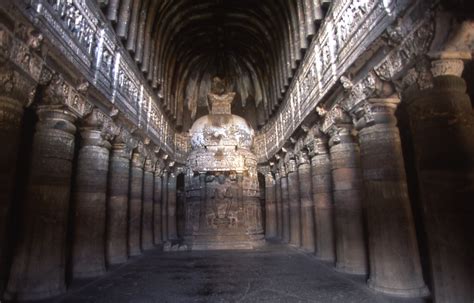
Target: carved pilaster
305 195
441 125
294 197
387 203
148 203
89 197
270 205
164 203
136 200
285 200
46 208
117 201
317 143
347 193
157 201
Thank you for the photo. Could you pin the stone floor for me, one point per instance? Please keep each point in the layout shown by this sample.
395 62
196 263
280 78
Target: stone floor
274 273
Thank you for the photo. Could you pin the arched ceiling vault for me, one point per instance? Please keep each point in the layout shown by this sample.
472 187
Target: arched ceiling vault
180 45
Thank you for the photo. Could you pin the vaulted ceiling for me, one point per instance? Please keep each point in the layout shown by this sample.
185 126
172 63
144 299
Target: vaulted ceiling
179 45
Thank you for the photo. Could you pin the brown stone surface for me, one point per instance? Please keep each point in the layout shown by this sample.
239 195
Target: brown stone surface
295 208
117 205
172 223
157 233
147 213
351 253
38 270
164 206
394 259
286 209
270 208
11 114
135 205
442 127
279 206
89 204
307 208
323 207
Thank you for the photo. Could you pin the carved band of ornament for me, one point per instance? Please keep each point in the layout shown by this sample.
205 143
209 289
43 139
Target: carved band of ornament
337 115
415 42
375 111
443 67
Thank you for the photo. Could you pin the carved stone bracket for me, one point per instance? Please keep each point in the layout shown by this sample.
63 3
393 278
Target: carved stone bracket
316 141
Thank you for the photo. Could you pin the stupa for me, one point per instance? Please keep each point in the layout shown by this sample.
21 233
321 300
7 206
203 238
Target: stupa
222 192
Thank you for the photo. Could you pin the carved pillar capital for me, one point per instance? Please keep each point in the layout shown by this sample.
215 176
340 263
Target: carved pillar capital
16 86
159 166
445 67
290 160
96 129
376 111
149 165
281 166
316 141
138 157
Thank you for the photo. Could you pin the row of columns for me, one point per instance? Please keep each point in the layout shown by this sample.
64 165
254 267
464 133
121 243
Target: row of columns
351 206
85 208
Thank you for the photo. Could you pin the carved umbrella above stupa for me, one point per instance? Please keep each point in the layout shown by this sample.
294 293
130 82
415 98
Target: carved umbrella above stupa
221 141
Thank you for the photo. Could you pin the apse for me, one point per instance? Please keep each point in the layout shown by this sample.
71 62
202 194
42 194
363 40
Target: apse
181 45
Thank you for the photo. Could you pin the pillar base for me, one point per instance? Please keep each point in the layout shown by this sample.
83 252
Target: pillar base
403 293
350 270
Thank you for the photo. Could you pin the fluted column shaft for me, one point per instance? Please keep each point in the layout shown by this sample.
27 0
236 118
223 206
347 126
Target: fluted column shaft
157 233
294 204
270 208
135 205
307 207
147 215
172 222
164 206
89 202
394 260
11 116
351 254
286 208
442 126
38 270
323 203
117 204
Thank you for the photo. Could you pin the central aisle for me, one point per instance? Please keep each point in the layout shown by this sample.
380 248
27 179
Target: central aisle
273 273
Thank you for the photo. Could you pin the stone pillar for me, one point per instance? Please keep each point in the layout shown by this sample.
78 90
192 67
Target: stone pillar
351 254
89 199
147 215
306 199
294 199
279 204
117 202
395 267
172 223
442 126
39 266
322 196
11 116
158 239
270 207
286 206
164 206
135 204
